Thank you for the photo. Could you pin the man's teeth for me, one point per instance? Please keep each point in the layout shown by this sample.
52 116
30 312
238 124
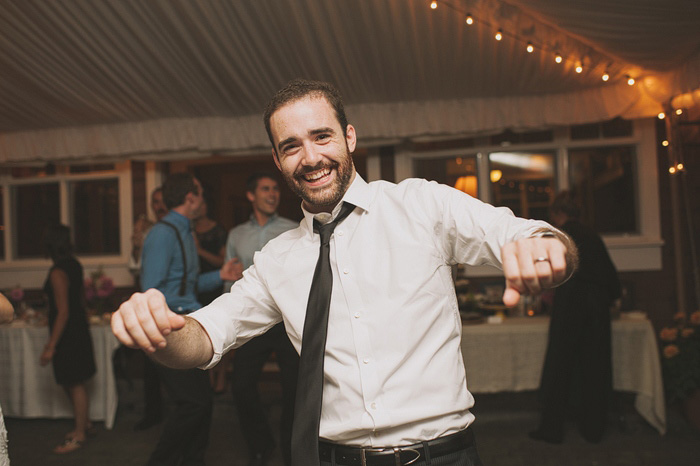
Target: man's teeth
318 175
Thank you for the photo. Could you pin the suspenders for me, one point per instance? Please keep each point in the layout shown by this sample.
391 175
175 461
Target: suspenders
183 281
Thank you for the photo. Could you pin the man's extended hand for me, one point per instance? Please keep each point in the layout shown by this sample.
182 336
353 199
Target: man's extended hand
145 320
533 264
232 270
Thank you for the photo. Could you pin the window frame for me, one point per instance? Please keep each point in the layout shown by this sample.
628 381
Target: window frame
31 272
630 252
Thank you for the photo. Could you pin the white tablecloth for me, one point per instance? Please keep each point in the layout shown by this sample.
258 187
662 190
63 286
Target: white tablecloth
510 356
29 390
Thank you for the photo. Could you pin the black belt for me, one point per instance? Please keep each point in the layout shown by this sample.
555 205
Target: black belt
396 456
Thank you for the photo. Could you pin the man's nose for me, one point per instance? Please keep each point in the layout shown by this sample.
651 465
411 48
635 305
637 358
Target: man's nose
311 155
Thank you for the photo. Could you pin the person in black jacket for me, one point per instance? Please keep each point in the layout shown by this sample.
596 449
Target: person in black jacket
577 370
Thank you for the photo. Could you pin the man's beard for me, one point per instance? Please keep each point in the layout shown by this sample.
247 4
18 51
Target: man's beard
330 195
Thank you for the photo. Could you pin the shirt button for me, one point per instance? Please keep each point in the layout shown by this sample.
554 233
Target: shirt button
374 405
366 360
340 233
357 315
346 271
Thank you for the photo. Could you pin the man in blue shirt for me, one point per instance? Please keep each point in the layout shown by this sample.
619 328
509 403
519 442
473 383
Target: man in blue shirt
170 264
263 192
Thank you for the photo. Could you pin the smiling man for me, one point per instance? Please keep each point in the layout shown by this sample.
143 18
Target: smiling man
364 287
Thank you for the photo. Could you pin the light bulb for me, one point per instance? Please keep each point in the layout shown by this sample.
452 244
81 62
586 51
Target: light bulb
530 47
679 111
664 143
630 80
558 58
605 76
579 67
433 4
661 115
499 35
679 166
672 170
469 19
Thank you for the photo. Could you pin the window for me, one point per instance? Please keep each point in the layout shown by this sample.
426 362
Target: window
604 180
458 172
34 206
95 216
523 182
90 199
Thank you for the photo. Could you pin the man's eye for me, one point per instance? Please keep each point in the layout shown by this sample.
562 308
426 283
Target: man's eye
322 137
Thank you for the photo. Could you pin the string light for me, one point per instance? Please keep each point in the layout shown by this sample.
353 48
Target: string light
679 111
664 143
661 115
530 45
679 167
672 170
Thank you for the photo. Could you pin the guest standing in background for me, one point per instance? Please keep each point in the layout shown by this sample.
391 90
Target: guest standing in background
263 192
170 264
70 346
152 395
578 363
7 313
210 239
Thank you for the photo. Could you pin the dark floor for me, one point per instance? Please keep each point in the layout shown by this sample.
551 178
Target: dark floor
501 428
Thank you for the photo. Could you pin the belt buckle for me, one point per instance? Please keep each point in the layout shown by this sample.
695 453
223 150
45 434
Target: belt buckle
397 455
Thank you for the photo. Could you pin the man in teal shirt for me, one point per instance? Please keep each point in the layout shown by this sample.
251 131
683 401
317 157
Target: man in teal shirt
263 192
169 263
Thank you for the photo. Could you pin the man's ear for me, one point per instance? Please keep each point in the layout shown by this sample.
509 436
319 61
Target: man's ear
276 159
351 138
249 196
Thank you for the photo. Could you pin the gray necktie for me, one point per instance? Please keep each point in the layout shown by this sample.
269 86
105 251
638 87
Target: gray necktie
307 408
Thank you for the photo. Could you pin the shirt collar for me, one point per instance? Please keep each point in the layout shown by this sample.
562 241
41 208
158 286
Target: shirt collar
178 220
254 221
358 194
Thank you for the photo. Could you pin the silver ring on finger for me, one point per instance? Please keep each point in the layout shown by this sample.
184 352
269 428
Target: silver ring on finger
541 259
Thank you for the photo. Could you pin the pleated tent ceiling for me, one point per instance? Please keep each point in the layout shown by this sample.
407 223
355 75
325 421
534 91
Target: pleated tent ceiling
84 79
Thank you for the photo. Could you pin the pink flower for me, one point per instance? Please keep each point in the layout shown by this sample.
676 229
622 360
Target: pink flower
16 294
686 332
669 334
695 318
107 286
670 351
89 292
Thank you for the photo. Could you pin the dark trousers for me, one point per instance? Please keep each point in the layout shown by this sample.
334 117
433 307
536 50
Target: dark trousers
467 457
248 363
185 434
152 395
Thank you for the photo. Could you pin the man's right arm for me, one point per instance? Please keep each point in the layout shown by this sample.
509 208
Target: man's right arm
146 322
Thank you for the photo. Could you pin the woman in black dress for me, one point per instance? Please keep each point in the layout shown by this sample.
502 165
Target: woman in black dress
70 346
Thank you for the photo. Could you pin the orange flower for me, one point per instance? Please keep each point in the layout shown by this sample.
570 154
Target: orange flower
686 332
670 351
695 318
668 334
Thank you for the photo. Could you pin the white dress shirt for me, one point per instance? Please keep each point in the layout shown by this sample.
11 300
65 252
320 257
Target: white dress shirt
393 371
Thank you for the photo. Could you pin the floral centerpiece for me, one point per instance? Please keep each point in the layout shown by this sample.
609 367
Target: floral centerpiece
98 291
680 347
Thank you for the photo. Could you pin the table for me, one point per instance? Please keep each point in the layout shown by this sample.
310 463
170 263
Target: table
28 390
510 356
